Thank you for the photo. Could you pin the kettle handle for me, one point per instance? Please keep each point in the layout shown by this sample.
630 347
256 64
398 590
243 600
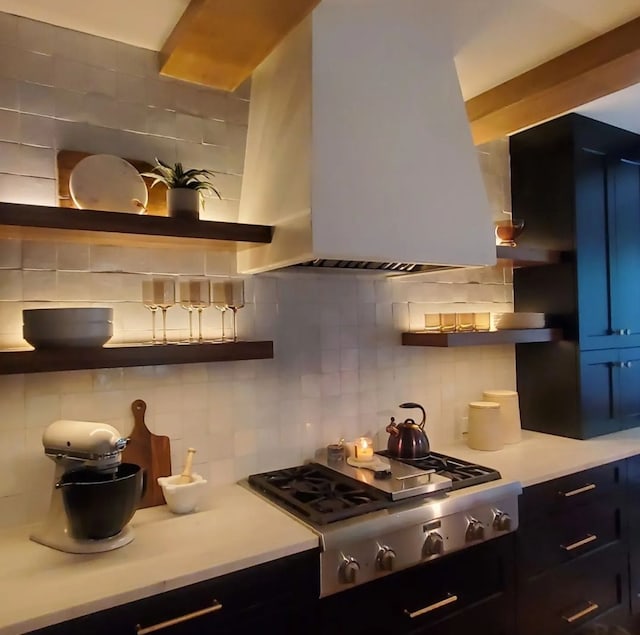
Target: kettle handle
411 404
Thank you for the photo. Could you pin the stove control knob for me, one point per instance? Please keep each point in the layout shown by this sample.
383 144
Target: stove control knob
501 521
475 531
385 559
348 571
433 545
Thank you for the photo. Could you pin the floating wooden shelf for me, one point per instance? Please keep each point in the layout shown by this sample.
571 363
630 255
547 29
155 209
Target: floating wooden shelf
36 222
481 338
528 256
48 360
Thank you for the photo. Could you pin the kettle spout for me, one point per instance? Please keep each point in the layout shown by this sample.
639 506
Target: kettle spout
392 428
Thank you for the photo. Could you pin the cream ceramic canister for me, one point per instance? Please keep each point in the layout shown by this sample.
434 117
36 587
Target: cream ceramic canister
509 413
485 430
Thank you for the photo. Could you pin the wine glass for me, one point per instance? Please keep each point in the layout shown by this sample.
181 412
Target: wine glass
219 296
195 294
185 303
149 300
159 293
235 301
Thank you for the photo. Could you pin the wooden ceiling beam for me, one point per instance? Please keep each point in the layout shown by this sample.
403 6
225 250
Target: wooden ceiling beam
219 43
599 67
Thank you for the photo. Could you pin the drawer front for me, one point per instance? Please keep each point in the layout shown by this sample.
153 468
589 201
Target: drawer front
568 492
544 544
497 617
570 596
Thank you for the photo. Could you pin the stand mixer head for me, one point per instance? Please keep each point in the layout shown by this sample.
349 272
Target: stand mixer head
76 444
72 446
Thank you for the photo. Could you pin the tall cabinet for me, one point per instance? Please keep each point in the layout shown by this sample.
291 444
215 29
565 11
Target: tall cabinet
576 183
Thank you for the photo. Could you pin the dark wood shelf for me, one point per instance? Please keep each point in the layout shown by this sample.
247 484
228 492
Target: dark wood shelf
481 338
528 256
48 360
36 222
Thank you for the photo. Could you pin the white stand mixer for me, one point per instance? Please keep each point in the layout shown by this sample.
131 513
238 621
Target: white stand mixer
73 445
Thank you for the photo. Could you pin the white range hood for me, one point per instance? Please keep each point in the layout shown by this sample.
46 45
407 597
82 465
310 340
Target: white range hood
359 149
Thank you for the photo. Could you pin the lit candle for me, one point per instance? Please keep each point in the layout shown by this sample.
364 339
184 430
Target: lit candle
363 449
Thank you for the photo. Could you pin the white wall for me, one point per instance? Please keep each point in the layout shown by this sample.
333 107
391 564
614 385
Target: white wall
338 369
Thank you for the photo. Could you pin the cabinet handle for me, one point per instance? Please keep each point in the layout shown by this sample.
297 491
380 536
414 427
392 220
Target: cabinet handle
178 620
580 543
580 490
628 364
627 331
570 619
432 607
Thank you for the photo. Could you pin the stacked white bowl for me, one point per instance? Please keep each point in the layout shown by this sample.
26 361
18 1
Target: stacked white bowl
506 321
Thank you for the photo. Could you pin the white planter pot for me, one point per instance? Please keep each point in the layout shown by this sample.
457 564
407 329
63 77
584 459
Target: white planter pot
183 203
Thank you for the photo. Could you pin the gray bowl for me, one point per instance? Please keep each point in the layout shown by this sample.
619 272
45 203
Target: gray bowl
66 328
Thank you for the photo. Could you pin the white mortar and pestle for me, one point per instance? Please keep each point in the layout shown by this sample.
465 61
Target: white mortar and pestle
183 492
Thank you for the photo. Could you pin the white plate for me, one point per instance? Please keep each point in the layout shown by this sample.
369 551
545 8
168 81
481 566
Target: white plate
106 182
508 321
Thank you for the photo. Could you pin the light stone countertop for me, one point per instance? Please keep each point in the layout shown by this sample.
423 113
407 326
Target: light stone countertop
543 457
40 586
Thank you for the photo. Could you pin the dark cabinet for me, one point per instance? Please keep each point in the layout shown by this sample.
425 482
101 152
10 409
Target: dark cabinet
633 503
281 594
576 183
491 617
572 551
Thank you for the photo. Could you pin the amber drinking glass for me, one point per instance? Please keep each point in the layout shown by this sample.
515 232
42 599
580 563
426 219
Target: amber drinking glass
508 230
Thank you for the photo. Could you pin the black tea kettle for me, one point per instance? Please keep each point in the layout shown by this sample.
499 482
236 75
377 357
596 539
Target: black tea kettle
408 440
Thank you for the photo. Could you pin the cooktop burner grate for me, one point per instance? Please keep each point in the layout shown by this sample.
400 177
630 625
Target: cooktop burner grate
318 493
462 473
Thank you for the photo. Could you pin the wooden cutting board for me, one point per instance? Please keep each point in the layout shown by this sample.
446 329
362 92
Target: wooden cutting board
151 452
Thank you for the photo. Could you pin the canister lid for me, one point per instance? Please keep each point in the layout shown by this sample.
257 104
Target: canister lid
499 393
483 404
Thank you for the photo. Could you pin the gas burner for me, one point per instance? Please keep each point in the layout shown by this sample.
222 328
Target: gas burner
462 473
318 493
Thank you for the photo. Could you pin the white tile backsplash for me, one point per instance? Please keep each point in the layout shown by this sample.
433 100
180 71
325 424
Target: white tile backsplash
338 369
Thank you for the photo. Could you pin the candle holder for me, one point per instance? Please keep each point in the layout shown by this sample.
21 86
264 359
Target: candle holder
363 450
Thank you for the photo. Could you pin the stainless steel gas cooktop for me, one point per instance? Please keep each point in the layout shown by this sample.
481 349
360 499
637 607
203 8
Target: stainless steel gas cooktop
371 527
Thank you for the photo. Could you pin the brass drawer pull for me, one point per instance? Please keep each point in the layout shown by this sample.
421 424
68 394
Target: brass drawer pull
580 543
432 607
178 620
580 490
570 619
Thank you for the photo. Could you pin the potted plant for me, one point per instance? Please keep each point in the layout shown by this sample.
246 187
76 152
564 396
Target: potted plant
185 188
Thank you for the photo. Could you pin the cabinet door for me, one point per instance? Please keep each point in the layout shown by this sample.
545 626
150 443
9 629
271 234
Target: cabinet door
628 394
624 188
598 391
594 226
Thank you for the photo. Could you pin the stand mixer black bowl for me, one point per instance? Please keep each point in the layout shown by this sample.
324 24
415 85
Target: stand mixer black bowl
100 504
